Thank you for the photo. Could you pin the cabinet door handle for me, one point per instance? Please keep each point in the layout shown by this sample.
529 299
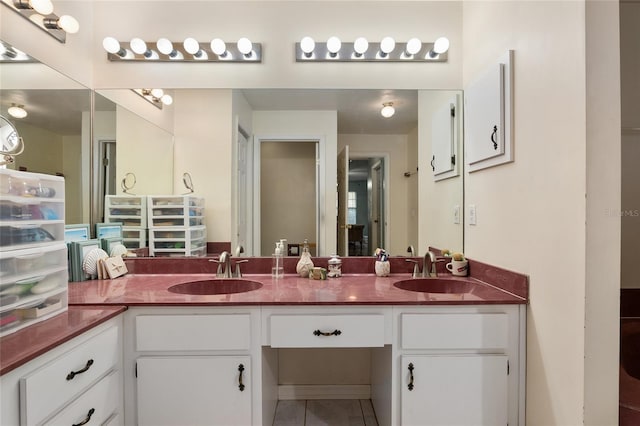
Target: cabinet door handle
410 385
240 384
493 137
325 333
87 419
73 374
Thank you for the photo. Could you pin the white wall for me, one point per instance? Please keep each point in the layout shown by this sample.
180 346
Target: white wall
309 125
395 147
531 214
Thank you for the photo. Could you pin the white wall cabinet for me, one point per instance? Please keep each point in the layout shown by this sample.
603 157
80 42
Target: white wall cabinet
194 390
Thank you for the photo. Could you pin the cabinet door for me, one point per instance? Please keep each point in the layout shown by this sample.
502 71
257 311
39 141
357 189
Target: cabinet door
194 390
454 390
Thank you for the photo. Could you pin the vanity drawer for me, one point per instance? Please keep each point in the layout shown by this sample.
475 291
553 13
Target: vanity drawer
193 332
327 331
52 385
455 331
97 405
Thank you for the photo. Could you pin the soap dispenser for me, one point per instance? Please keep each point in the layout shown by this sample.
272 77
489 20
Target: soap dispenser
277 267
305 264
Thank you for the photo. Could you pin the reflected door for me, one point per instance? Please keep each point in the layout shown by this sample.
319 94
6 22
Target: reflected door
343 197
377 211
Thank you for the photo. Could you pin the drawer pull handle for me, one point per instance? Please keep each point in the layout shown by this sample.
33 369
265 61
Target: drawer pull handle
324 333
87 419
240 384
73 374
410 385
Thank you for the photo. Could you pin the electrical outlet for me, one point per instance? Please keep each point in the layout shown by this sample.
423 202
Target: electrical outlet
456 214
472 214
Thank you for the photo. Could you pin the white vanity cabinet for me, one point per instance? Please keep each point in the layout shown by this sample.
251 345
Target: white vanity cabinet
460 366
192 366
78 382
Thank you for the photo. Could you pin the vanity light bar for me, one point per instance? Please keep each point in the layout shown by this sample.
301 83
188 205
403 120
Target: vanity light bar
244 51
385 51
155 97
54 25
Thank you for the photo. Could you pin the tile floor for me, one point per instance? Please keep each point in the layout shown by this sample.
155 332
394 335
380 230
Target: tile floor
325 412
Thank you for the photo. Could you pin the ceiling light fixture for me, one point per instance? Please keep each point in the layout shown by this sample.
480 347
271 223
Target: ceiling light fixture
17 111
8 53
40 13
361 50
189 50
156 97
387 110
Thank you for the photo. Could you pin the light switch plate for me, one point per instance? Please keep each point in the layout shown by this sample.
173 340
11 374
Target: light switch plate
472 214
456 214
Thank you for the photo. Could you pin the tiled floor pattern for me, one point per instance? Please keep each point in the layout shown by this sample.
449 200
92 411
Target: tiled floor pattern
325 412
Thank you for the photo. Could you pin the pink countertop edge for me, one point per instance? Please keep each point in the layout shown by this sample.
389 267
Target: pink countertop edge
24 345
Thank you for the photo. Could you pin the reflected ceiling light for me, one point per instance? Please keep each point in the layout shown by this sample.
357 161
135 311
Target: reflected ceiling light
157 97
360 46
188 50
307 44
361 50
219 47
40 13
333 46
165 46
387 45
9 53
440 46
17 111
66 23
245 47
387 110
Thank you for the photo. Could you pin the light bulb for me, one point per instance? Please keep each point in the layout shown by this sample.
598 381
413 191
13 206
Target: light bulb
307 44
245 46
192 46
218 47
333 45
387 45
17 111
44 7
441 45
387 110
37 19
165 46
69 24
360 46
166 99
413 46
111 45
138 46
157 93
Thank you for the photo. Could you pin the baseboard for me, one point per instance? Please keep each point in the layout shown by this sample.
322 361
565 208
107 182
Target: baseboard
288 392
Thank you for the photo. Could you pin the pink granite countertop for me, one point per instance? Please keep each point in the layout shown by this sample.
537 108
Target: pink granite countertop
350 289
24 345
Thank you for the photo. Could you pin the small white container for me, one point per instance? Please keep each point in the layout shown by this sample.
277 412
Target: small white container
335 267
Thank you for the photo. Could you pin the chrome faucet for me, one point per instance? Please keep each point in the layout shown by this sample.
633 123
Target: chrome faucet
237 273
429 265
224 265
416 268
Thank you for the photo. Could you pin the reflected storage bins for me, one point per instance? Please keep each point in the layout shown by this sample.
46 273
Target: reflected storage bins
33 255
178 241
134 237
130 211
175 211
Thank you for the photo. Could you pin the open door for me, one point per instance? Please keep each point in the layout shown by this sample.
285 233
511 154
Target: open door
343 195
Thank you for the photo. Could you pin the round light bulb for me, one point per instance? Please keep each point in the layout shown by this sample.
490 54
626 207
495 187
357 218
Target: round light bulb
387 110
17 111
164 46
44 7
441 45
334 44
111 45
307 44
360 45
157 93
69 24
138 46
191 45
37 19
245 46
166 99
218 46
387 45
413 46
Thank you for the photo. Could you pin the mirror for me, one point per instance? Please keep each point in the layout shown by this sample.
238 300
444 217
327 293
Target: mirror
11 143
55 130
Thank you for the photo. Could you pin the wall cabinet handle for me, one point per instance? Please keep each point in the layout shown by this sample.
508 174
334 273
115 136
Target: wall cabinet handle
410 385
325 333
73 374
87 419
240 384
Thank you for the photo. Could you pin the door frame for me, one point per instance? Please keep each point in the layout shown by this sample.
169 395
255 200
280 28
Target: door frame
320 184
